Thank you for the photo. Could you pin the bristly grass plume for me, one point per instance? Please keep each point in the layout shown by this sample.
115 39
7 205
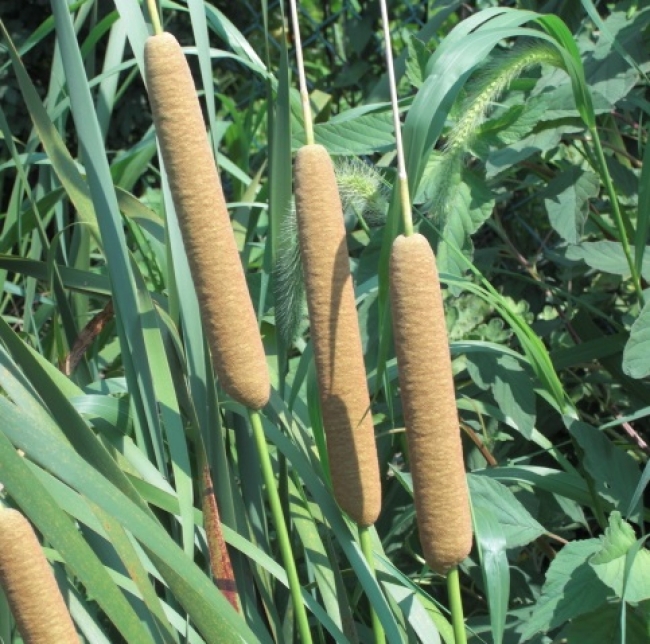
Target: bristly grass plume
483 92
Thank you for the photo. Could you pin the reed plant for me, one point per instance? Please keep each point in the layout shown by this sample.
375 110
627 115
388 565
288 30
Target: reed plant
206 459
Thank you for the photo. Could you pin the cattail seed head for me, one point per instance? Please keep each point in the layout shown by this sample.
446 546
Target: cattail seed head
429 403
32 592
342 384
226 308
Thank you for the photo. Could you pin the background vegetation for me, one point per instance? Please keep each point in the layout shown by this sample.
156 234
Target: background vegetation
526 136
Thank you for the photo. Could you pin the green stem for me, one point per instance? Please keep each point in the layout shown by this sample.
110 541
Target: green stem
366 547
616 211
155 18
405 199
456 605
281 527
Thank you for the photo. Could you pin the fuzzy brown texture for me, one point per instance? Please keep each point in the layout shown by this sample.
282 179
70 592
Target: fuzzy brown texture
342 385
429 403
226 308
32 592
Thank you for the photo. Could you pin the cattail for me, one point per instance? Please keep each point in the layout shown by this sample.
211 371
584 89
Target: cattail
32 592
226 308
343 389
429 403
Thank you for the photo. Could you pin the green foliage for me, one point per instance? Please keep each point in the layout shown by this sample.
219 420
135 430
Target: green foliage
526 146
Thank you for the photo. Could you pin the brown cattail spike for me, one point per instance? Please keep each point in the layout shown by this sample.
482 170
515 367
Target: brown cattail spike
345 402
26 577
226 308
429 402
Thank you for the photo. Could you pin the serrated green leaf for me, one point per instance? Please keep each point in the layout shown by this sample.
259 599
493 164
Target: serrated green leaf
618 539
364 134
635 354
615 473
517 525
610 562
469 206
416 63
572 588
566 199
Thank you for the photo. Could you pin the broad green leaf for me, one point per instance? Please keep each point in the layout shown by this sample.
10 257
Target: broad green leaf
345 136
470 203
566 199
606 256
615 473
555 481
608 75
609 562
511 386
572 588
540 140
635 355
516 523
604 625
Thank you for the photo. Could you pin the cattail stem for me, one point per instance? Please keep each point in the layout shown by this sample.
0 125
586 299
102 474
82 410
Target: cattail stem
366 547
405 198
32 592
304 94
281 527
456 606
155 18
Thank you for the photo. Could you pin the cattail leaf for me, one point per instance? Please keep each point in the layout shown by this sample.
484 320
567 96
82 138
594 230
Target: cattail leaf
209 610
233 37
199 23
322 496
317 556
60 531
491 544
62 161
643 217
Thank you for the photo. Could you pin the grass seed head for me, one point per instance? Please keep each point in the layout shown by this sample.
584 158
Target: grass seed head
343 389
226 308
32 592
429 403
